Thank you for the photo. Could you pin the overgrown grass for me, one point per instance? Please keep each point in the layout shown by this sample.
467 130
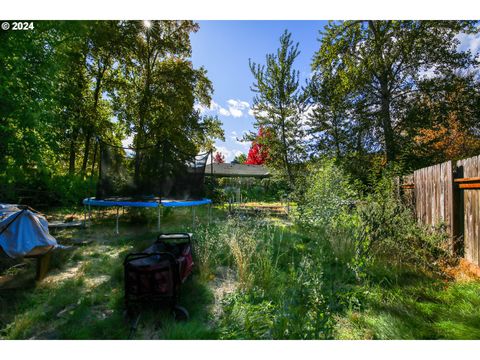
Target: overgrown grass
340 272
82 298
413 306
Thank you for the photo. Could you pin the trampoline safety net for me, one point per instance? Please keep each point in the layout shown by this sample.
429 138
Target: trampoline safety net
159 171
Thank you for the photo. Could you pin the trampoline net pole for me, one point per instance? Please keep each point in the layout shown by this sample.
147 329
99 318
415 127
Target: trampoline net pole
118 215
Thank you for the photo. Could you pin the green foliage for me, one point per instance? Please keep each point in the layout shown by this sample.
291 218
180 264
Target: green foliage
390 231
326 194
239 159
366 73
253 280
284 280
66 83
278 106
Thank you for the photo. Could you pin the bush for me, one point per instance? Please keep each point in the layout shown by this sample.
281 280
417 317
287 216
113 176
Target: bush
42 188
390 230
326 194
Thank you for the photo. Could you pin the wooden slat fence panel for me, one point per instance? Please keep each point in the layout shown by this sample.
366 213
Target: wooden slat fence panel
436 199
434 196
471 208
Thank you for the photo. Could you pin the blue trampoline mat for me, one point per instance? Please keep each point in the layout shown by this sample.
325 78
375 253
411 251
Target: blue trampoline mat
132 203
182 203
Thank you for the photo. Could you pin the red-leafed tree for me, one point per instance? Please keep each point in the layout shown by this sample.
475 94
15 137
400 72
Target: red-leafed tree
258 153
218 158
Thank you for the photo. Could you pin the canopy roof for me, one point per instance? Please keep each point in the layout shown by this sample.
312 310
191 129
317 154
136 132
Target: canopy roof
236 170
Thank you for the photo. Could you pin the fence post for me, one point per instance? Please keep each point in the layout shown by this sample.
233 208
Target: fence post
459 214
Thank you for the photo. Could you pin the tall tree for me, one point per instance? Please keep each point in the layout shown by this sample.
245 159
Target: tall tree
158 88
380 63
279 106
443 120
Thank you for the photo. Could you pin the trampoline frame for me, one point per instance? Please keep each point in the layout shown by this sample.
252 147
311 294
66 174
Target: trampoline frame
92 201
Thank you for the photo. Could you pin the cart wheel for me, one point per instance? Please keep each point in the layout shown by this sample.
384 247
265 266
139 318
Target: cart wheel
180 313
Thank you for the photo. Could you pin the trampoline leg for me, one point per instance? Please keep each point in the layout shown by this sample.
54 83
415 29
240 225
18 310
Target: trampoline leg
116 228
84 215
159 215
193 218
89 213
209 213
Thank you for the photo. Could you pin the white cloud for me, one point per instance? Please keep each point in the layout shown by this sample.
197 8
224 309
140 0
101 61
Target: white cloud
428 73
214 108
200 108
244 144
469 42
253 112
228 152
224 112
234 108
238 107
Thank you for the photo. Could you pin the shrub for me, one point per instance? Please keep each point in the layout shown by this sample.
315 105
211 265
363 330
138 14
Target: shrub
390 230
325 195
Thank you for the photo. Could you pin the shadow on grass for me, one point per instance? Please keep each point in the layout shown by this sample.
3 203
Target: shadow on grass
82 297
403 304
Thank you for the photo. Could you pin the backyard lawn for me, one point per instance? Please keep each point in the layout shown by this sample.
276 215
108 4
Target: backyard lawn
256 277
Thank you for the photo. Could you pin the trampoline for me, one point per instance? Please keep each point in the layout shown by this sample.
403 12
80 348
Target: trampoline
121 203
155 176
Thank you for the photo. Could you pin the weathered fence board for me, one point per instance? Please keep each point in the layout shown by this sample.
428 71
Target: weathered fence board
433 189
449 195
470 168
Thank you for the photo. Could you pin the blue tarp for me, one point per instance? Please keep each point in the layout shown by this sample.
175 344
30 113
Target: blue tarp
24 232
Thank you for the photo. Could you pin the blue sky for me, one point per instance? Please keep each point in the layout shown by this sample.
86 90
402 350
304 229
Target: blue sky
224 47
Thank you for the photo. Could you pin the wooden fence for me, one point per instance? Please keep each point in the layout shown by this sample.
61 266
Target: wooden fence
448 195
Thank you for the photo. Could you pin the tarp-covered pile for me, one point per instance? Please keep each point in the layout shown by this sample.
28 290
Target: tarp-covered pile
24 232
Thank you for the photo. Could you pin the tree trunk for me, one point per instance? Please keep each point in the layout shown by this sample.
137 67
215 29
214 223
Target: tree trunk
143 113
385 95
336 135
386 123
85 153
285 156
90 131
71 163
95 149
